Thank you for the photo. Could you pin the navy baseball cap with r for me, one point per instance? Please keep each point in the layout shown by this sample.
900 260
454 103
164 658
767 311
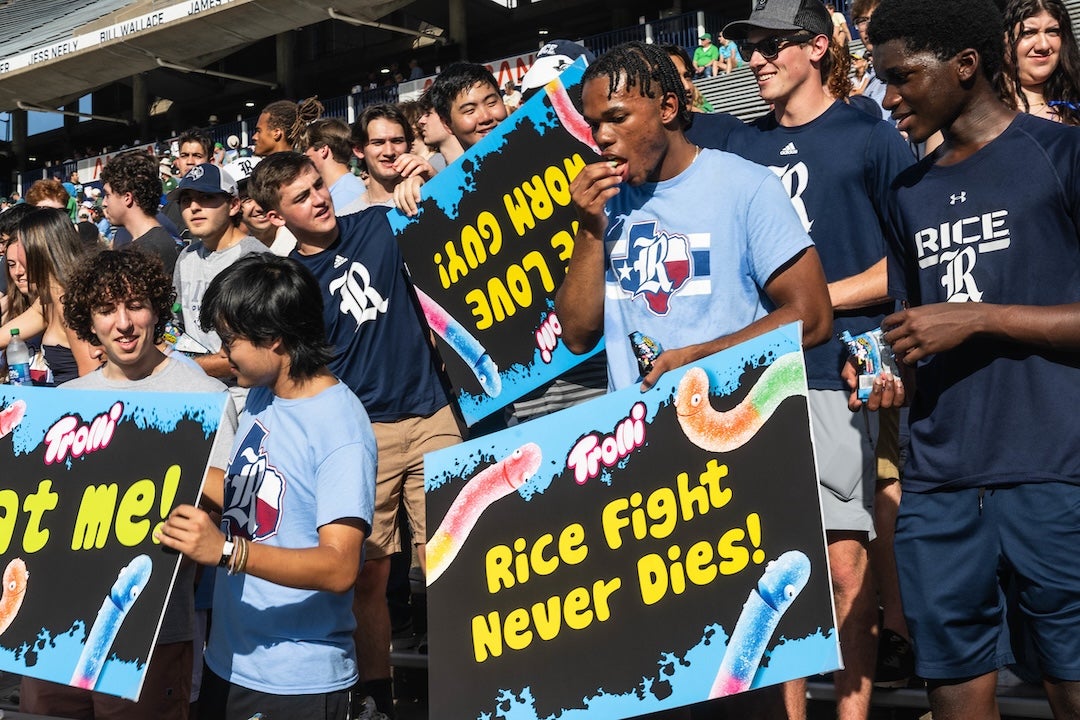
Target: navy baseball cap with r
207 178
783 15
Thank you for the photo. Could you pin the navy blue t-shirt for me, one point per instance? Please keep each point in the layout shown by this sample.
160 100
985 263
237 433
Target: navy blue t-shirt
837 170
373 321
991 413
714 130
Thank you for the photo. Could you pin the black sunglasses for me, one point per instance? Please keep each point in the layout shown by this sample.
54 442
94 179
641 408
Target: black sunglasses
771 46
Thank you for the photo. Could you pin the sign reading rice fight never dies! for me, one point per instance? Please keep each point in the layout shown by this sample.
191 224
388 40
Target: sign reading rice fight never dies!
491 245
639 552
87 477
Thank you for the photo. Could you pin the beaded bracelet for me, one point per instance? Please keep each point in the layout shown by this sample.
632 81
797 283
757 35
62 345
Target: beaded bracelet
238 561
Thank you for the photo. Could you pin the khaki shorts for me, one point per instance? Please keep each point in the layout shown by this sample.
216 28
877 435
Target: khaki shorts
401 446
844 449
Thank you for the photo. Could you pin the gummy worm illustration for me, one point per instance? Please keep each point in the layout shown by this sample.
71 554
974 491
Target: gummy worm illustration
783 580
487 486
11 416
463 343
125 591
568 114
717 431
15 578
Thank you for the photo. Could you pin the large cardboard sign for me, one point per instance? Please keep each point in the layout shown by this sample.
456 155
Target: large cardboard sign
87 477
491 245
639 552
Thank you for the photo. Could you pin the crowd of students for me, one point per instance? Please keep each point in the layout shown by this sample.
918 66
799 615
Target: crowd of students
293 298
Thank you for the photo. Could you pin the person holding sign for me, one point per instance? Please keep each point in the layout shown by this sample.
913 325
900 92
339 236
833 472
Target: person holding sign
296 505
120 302
695 282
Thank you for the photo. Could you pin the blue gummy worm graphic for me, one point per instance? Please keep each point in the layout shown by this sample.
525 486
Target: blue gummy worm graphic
125 591
783 580
463 343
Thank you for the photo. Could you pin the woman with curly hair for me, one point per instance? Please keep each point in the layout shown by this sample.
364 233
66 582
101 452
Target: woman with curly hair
1042 61
50 249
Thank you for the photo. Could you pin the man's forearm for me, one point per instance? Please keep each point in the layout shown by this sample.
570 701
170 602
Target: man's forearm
579 302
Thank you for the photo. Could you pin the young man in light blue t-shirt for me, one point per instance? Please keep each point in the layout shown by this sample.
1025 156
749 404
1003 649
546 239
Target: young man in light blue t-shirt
296 505
648 259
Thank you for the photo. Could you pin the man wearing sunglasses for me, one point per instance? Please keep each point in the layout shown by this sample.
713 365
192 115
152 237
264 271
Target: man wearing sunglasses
837 163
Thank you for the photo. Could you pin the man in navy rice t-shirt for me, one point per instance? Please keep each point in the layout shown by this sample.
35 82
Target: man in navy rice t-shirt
992 271
385 357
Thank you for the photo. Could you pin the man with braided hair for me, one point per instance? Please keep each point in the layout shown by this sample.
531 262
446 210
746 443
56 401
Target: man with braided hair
754 268
636 200
281 123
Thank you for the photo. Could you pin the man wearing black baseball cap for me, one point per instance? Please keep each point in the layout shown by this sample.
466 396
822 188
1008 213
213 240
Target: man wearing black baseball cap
784 15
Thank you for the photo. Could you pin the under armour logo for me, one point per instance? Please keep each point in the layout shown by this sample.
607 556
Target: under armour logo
962 197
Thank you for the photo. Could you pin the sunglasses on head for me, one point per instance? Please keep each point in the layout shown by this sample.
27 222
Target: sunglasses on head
771 46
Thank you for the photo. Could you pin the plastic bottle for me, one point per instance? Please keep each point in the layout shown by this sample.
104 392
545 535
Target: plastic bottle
18 360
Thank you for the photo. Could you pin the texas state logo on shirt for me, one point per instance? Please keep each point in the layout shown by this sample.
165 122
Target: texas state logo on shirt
253 490
654 265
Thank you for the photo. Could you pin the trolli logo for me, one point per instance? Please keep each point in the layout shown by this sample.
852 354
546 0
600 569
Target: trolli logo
962 197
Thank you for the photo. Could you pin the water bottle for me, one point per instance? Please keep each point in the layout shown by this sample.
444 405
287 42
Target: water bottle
18 360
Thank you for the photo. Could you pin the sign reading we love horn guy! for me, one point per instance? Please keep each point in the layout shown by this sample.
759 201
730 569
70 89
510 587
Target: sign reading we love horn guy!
87 477
491 245
639 552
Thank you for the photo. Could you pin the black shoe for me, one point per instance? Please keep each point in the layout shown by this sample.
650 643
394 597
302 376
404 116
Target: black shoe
895 661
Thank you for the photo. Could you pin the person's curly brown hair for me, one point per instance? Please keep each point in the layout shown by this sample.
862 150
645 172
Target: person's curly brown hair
115 276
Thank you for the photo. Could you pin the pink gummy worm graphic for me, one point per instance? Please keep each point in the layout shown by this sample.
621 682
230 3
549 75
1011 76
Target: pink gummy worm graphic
568 114
783 580
11 416
487 486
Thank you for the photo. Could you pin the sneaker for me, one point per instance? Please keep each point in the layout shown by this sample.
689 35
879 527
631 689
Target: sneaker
895 661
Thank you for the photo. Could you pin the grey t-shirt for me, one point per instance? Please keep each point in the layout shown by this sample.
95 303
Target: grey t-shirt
175 376
195 268
158 241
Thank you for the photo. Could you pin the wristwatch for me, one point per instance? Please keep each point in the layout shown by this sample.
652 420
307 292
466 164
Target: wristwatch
226 553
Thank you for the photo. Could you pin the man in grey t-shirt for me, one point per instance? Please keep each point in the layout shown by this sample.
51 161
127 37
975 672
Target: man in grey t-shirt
119 301
210 204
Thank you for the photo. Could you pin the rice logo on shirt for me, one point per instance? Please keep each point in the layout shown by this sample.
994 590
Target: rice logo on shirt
253 490
957 246
358 297
655 265
795 178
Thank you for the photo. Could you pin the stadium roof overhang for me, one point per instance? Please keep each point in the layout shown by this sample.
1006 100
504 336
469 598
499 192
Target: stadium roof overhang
144 35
